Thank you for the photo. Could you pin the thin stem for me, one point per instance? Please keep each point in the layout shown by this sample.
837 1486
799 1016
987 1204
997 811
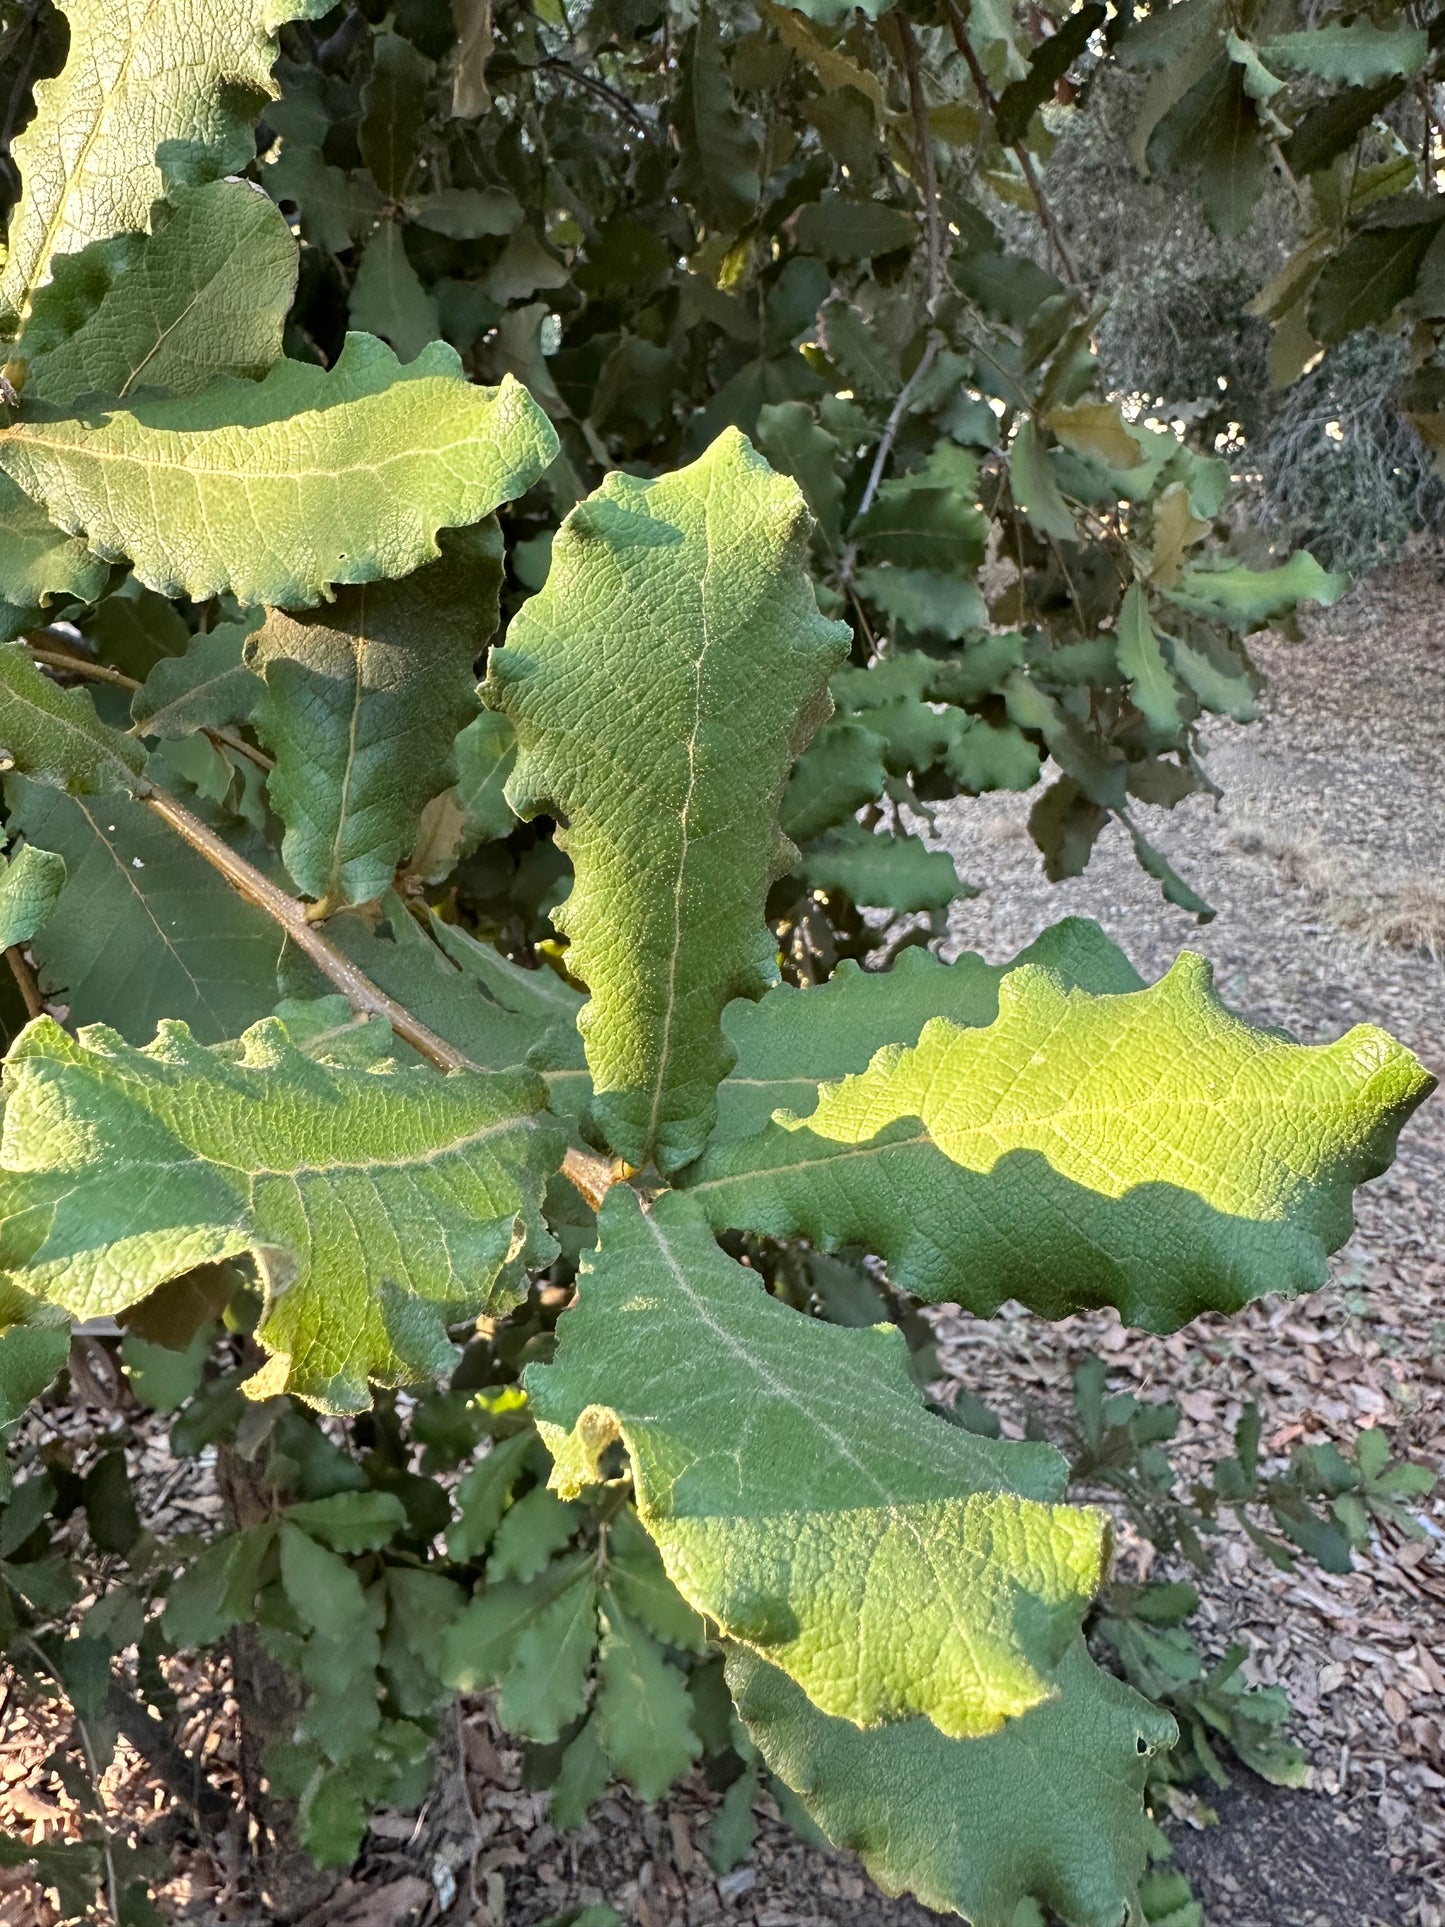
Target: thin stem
928 170
891 430
958 27
25 977
102 672
554 65
927 162
112 1884
258 890
82 666
591 1175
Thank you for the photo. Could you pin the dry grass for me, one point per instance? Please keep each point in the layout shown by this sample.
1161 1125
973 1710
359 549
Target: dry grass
1398 907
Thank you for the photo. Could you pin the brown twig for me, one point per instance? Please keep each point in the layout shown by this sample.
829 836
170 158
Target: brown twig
592 1176
927 161
25 977
958 27
102 672
891 429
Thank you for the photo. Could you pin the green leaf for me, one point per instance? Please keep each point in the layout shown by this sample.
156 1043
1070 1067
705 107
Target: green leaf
387 296
864 359
206 688
467 213
350 1521
795 1040
218 1590
532 1529
90 160
40 563
30 1356
30 883
1213 134
486 754
1362 283
1049 1809
1359 51
643 1713
483 1495
477 1647
927 602
1154 863
1048 64
850 227
660 686
1147 1150
161 1377
732 1830
1152 688
364 698
841 769
144 927
892 1563
638 1581
544 1687
884 872
1246 598
720 148
53 735
336 207
378 1207
276 489
393 110
789 435
928 520
581 1779
1034 487
205 294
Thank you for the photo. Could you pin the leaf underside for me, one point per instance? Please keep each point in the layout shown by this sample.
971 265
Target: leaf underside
661 685
125 106
378 1206
274 490
891 1563
1147 1150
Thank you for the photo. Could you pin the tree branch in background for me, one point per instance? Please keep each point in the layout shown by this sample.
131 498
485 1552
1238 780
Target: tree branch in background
958 27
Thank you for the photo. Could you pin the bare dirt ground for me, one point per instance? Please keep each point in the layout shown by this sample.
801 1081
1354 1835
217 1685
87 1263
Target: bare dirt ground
1324 860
